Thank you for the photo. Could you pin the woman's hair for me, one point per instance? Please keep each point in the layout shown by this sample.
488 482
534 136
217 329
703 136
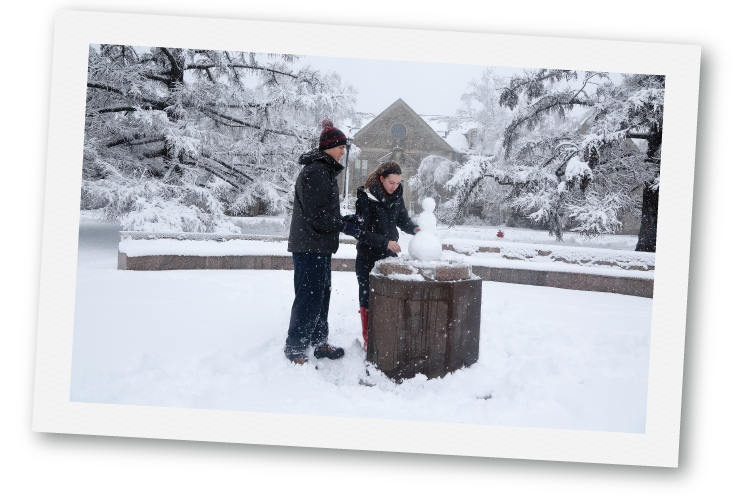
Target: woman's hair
385 169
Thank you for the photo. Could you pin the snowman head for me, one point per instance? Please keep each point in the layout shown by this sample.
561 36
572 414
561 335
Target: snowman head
428 204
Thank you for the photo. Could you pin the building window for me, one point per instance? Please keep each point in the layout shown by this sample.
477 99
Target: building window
360 170
472 137
398 131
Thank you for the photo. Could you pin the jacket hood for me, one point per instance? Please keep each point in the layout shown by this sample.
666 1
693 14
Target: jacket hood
377 192
317 155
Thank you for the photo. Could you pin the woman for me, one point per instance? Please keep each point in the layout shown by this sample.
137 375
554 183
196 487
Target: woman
380 205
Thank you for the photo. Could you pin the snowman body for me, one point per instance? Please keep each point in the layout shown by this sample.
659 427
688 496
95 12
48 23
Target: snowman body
425 245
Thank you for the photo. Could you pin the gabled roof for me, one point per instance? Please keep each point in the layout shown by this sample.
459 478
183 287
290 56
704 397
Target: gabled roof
400 103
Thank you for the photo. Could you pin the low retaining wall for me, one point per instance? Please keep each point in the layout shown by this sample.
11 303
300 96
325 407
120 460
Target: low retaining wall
639 287
143 235
587 257
192 262
625 285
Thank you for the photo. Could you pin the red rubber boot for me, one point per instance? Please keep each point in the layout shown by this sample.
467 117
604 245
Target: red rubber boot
364 314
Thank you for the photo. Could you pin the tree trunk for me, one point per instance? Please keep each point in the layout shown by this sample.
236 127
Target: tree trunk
649 216
650 209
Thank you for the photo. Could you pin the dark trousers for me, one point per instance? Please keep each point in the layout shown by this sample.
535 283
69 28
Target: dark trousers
362 267
308 324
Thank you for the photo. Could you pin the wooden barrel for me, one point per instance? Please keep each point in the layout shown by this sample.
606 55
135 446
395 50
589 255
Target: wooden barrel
429 327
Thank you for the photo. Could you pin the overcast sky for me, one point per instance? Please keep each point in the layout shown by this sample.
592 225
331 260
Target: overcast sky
428 88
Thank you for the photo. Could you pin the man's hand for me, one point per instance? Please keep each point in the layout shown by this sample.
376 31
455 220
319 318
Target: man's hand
351 229
394 247
354 219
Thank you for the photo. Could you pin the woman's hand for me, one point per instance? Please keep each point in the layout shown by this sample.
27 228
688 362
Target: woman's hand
394 247
416 230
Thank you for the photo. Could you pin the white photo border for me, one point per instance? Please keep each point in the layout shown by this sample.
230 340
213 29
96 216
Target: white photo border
53 411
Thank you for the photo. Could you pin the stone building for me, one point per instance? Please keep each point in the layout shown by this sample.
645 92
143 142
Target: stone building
397 134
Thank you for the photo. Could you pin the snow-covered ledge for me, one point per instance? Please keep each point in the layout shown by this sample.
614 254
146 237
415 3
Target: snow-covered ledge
220 237
142 251
574 268
530 252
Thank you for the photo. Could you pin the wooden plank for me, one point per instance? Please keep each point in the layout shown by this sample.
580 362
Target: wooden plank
473 322
385 316
415 338
438 339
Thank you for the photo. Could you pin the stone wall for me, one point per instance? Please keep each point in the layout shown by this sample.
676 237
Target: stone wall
571 281
639 287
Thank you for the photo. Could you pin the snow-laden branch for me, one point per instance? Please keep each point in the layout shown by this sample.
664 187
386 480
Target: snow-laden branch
101 86
248 124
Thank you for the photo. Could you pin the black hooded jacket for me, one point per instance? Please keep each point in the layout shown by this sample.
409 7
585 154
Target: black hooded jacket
382 214
316 216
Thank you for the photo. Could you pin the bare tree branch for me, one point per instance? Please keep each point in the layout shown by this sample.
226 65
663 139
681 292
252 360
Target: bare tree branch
637 135
171 58
114 110
158 78
101 86
517 83
134 142
555 101
242 66
225 178
231 168
247 124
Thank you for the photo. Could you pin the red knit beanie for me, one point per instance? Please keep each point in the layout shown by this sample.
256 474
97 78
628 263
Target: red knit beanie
330 137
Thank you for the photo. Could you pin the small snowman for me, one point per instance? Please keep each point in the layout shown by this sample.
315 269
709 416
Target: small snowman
425 245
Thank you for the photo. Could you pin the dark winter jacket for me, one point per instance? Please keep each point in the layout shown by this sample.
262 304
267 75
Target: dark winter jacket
382 214
316 217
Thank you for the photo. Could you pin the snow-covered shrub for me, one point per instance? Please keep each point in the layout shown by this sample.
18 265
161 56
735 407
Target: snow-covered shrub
431 178
168 216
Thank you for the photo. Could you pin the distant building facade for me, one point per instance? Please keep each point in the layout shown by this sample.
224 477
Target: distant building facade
397 134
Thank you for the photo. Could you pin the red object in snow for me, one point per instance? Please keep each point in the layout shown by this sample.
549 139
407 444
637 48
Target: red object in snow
364 315
500 234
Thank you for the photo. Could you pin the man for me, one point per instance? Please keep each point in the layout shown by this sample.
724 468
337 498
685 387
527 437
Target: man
313 237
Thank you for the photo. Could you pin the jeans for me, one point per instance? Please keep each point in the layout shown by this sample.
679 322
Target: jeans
362 267
308 324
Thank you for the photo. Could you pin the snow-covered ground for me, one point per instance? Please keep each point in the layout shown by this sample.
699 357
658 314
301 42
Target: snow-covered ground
213 339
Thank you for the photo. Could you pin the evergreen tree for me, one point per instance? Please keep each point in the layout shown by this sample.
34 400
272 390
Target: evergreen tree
576 175
177 138
431 177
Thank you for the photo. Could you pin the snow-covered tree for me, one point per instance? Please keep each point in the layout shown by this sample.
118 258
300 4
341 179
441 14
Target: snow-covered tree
431 177
481 108
430 181
576 174
177 138
483 118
